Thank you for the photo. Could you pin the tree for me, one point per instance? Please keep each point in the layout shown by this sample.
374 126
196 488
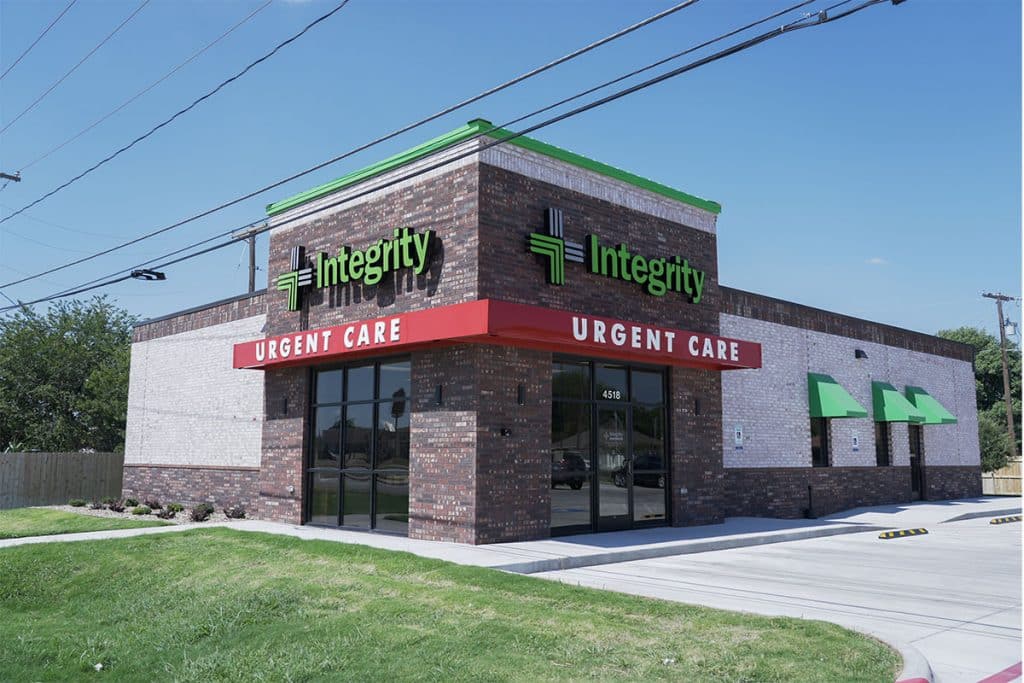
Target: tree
64 376
988 377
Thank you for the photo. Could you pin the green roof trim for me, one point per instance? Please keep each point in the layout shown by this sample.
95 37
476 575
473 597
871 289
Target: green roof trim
890 406
934 412
473 129
828 399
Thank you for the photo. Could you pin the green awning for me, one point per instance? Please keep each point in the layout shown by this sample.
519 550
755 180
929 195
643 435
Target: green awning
828 399
934 412
890 406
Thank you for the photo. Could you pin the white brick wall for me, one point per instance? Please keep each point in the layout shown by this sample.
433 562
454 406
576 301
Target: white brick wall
188 406
771 403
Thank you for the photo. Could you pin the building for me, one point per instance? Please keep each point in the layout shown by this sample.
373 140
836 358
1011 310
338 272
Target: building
482 343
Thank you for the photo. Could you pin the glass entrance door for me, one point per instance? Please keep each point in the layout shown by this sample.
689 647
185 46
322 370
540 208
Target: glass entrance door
614 464
610 465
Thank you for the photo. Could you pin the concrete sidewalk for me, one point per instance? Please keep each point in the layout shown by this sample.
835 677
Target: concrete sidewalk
589 550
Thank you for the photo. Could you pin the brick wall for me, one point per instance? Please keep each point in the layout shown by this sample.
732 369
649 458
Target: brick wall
771 402
221 486
187 405
285 439
445 204
783 492
760 307
214 313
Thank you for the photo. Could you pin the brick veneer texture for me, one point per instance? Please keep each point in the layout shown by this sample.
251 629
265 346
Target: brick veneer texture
761 307
216 313
281 477
221 486
942 483
445 204
783 491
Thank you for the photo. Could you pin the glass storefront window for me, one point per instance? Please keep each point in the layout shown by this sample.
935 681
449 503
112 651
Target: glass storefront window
359 458
571 380
360 384
610 382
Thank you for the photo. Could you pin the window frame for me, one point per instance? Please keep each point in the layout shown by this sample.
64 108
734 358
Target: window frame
372 470
883 444
824 458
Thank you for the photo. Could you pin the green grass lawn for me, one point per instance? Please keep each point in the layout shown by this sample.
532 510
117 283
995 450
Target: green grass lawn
217 604
43 522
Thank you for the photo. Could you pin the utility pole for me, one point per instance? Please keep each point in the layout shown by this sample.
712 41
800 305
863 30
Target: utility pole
1000 298
249 235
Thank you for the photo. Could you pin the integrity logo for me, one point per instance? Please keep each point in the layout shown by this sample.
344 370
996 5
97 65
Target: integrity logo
406 249
555 247
656 275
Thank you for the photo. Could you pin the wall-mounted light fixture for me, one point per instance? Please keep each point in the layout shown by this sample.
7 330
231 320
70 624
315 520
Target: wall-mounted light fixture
284 405
696 406
520 394
439 394
858 354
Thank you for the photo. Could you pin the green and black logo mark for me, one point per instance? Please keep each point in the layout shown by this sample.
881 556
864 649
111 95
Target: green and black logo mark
406 249
299 277
555 247
656 275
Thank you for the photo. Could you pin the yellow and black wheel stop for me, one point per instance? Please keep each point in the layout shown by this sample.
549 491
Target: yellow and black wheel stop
1004 520
901 533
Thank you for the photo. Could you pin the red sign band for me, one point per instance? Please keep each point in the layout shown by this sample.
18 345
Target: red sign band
498 322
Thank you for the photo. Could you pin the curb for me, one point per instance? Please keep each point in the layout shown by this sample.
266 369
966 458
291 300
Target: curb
990 513
916 668
673 549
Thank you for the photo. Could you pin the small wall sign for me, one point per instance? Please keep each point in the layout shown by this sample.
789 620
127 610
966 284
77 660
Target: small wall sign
738 437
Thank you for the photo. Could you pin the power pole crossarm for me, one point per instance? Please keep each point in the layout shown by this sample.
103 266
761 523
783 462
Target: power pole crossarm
15 177
1000 298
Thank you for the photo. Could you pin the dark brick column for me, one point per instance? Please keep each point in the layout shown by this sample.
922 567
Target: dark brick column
442 467
696 454
284 436
513 472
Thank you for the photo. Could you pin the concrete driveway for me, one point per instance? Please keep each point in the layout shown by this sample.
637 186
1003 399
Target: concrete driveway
954 594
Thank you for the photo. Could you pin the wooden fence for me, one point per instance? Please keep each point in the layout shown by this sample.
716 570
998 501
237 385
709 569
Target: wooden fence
1002 482
55 478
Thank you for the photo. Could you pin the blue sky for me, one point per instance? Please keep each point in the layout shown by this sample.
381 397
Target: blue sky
870 166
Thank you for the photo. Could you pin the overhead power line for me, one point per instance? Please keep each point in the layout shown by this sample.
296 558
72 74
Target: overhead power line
34 42
180 112
384 138
75 67
149 87
808 21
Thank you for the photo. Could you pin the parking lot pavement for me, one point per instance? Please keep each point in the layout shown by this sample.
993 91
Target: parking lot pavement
954 594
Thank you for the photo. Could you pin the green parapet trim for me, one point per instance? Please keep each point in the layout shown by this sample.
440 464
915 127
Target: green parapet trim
934 412
473 129
890 406
828 399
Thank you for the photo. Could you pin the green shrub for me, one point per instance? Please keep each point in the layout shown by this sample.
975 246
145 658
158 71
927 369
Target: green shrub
175 507
201 512
76 503
131 502
141 510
